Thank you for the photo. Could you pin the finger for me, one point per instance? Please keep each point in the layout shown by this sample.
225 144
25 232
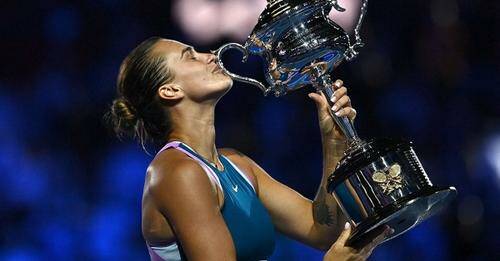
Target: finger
366 250
319 99
341 103
338 94
376 241
346 233
323 97
363 256
337 84
360 258
347 111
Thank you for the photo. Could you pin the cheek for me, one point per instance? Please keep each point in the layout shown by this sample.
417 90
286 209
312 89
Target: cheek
197 81
190 75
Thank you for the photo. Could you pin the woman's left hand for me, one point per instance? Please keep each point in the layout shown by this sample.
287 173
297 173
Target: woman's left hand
342 107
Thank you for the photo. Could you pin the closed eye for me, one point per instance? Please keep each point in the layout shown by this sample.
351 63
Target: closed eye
190 53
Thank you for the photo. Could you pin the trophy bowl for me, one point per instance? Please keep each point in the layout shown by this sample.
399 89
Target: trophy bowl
306 38
377 182
294 38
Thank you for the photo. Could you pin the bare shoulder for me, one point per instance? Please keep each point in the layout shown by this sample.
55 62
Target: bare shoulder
180 190
168 163
171 171
232 153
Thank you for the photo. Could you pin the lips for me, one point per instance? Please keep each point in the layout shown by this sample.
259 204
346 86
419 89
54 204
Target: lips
216 68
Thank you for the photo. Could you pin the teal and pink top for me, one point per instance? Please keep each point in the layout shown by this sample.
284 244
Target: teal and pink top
246 218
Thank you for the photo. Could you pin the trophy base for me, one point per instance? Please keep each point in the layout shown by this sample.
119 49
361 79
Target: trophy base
403 214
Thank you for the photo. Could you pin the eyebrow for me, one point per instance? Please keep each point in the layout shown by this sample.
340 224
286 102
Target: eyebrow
185 50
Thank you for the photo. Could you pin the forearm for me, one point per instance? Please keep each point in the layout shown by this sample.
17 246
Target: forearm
328 217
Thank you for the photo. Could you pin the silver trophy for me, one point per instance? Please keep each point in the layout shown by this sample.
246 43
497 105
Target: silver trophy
377 182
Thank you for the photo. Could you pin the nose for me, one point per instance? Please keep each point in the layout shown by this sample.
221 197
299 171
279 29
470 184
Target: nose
211 58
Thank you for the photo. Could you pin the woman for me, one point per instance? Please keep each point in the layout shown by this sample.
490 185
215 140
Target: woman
204 203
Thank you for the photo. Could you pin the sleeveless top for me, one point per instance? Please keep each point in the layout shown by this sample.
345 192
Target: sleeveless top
246 218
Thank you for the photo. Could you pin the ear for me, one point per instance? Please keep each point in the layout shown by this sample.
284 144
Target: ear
170 92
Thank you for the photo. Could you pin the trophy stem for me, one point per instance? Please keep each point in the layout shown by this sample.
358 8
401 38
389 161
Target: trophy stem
323 83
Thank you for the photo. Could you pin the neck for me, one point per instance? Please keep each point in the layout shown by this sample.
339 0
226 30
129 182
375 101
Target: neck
195 127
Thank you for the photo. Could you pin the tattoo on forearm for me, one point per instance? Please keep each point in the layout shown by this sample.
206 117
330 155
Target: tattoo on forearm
321 211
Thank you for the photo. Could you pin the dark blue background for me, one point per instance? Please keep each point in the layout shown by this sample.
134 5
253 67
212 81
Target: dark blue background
70 190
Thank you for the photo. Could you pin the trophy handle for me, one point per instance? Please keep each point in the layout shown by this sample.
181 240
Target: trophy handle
352 51
218 53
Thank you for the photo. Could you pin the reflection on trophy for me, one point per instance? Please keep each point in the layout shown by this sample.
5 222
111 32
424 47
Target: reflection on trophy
377 182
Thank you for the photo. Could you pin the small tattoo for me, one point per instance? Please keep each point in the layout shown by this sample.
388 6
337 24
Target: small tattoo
321 211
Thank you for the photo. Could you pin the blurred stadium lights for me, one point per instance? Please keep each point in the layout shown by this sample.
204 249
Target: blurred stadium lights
347 19
206 21
493 156
62 25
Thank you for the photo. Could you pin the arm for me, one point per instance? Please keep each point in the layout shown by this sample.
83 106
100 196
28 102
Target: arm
328 216
317 223
293 215
184 195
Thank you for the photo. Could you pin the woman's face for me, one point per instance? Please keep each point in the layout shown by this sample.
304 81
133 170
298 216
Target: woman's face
197 74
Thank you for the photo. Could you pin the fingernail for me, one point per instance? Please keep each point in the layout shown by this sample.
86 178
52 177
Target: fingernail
338 114
389 231
334 108
347 225
333 99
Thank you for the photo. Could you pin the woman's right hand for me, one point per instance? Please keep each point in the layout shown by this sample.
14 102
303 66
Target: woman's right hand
339 251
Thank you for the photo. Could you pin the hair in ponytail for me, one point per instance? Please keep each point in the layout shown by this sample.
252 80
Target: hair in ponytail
137 111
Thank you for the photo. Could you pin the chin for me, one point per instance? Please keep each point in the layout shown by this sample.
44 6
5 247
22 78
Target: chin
227 86
229 82
220 88
226 83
